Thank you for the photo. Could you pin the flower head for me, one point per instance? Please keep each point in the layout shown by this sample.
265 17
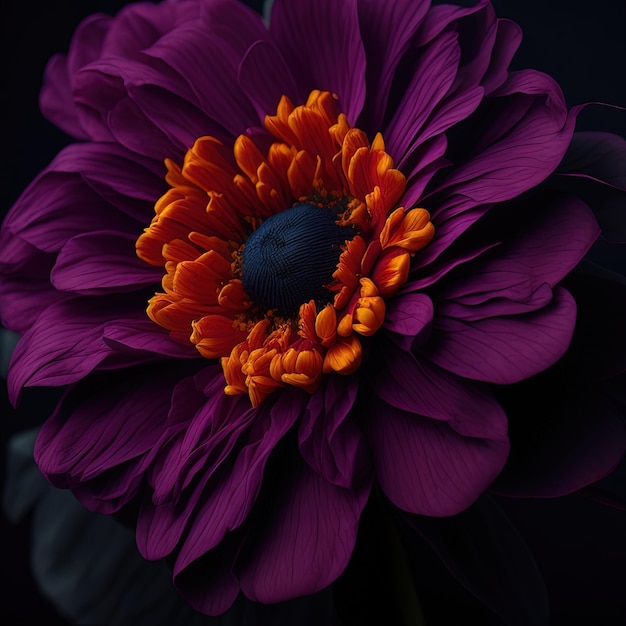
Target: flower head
343 248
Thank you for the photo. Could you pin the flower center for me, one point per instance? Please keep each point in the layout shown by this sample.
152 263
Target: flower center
283 296
291 257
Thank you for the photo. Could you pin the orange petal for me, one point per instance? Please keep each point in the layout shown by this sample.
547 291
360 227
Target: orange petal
344 357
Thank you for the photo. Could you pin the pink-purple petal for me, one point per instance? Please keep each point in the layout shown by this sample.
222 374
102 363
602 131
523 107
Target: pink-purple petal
409 314
265 77
413 384
329 438
387 29
98 429
521 138
544 252
67 342
306 542
437 66
56 98
425 466
506 349
101 262
291 30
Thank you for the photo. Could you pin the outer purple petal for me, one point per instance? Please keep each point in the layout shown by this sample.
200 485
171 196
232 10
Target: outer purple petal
101 262
425 466
521 137
594 168
434 73
265 77
56 100
507 349
221 501
307 541
573 439
119 192
100 430
415 385
543 253
314 37
386 30
67 342
24 282
330 440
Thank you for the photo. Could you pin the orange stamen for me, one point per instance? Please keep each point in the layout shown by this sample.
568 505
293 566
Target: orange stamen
218 198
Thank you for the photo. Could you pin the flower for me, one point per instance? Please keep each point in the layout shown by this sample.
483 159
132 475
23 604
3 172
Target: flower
243 421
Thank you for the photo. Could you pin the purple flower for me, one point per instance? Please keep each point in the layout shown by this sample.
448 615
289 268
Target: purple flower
244 420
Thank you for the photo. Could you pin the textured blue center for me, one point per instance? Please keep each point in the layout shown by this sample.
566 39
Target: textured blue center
292 255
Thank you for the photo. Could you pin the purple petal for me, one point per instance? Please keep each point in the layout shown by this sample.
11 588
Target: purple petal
24 282
265 77
386 30
67 342
521 137
56 99
330 441
433 75
207 52
596 155
306 541
440 17
425 466
409 314
545 252
593 168
221 501
144 336
508 39
208 584
314 62
52 209
453 218
415 385
100 428
504 350
575 438
101 262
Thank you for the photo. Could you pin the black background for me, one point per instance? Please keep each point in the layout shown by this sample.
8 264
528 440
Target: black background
579 545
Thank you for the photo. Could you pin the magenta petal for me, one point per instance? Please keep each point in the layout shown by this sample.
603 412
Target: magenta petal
102 262
409 314
505 350
386 29
508 39
67 342
434 73
208 584
206 52
427 467
544 252
97 429
265 77
144 336
219 501
52 210
330 440
306 543
415 385
313 38
573 439
56 98
526 133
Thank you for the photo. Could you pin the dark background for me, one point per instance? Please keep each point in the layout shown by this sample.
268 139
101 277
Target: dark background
579 544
